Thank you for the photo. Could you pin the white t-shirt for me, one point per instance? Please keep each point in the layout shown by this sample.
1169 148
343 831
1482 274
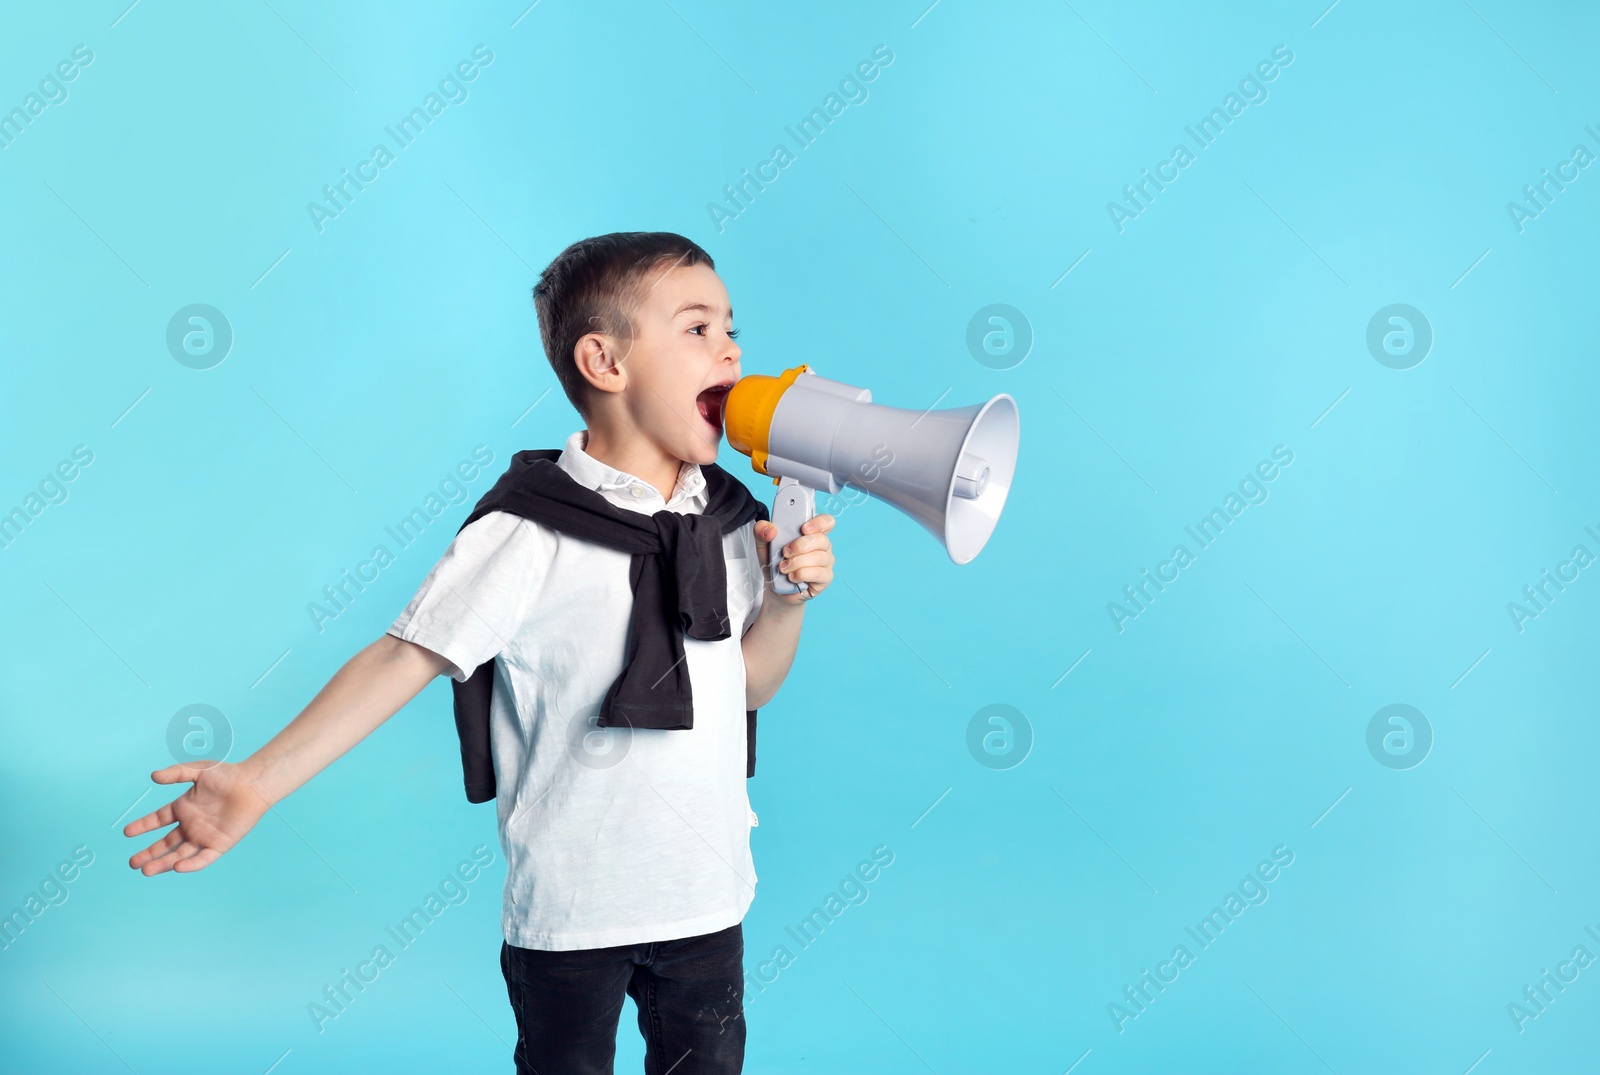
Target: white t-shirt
611 835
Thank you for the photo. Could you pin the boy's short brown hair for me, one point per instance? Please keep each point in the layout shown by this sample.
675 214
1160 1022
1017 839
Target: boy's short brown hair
594 285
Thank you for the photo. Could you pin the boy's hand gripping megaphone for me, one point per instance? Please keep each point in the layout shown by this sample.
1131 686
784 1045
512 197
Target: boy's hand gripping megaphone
949 470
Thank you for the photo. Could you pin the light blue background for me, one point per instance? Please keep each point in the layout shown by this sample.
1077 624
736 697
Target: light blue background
1228 719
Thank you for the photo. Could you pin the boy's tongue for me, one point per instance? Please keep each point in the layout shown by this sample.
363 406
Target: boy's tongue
710 403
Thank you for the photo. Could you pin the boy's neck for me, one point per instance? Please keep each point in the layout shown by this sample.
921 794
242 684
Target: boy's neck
660 470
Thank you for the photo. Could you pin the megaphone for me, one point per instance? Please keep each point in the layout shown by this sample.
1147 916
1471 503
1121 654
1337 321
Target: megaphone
950 470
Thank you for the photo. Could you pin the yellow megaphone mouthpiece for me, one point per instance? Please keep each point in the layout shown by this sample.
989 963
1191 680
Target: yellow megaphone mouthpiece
747 412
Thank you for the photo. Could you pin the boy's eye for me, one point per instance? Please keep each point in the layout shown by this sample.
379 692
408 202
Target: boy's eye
733 333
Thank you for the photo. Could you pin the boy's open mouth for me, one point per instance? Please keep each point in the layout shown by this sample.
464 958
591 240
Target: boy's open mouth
710 403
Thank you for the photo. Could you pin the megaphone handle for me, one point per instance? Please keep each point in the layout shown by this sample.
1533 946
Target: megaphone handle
794 504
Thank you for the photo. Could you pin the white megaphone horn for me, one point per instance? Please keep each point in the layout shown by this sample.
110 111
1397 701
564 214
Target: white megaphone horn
950 470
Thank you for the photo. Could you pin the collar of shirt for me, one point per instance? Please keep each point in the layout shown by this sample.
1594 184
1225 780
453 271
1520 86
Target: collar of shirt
626 490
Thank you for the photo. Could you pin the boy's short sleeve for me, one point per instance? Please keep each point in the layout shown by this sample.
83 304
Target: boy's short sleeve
473 601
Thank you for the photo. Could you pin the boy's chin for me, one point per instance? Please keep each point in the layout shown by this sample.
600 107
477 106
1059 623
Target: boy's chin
707 447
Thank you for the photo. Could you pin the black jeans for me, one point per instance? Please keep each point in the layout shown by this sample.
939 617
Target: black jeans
689 991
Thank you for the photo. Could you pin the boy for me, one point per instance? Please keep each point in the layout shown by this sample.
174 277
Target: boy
628 869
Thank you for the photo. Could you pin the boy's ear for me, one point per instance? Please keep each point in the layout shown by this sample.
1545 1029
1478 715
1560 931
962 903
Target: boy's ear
596 356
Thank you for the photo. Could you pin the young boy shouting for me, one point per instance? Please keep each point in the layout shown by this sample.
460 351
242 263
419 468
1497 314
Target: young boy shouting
628 867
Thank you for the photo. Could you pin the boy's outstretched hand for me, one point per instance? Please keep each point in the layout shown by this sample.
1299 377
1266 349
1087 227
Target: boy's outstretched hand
808 558
212 815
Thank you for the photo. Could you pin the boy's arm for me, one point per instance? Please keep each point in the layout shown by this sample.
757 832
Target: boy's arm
769 647
226 800
372 686
770 643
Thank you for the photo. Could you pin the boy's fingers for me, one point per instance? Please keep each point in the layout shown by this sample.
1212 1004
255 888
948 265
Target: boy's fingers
801 564
153 820
817 524
809 543
160 847
811 537
184 851
200 861
175 773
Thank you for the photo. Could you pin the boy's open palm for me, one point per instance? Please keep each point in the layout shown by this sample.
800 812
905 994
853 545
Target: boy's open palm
220 806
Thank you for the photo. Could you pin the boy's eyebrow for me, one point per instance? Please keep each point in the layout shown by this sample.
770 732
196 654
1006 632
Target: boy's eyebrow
698 306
